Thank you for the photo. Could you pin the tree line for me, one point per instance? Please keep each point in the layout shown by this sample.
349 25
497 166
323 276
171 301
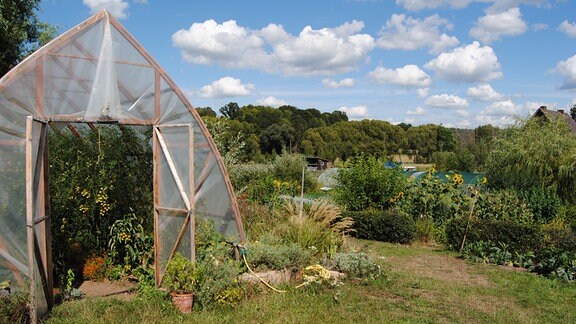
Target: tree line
266 132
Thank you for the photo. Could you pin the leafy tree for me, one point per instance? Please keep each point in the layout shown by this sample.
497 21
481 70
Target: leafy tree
21 33
205 112
573 112
231 110
276 137
535 154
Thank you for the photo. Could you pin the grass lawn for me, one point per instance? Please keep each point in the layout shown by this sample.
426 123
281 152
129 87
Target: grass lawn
422 284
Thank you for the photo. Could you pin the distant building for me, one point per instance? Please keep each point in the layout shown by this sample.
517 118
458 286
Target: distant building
316 163
543 112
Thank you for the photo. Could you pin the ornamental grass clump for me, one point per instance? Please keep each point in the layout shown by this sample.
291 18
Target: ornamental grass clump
318 226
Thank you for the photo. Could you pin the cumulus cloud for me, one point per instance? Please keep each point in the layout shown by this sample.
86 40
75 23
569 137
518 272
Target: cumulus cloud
568 28
446 101
226 87
567 69
410 76
271 101
506 112
471 63
333 84
326 51
484 92
407 33
118 8
418 111
493 27
497 5
355 113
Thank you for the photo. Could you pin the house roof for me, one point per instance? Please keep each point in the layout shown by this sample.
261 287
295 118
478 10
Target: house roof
543 111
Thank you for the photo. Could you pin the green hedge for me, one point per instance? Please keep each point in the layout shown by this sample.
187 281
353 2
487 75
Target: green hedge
386 226
519 237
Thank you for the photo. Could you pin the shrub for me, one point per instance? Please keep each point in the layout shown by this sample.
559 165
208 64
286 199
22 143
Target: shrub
519 237
356 265
386 226
14 307
278 256
366 183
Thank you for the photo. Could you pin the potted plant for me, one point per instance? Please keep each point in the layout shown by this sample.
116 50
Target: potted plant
180 278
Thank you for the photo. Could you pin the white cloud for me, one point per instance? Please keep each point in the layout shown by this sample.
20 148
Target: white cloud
567 68
333 84
355 113
407 33
407 76
271 101
423 92
323 52
140 1
471 63
225 44
497 5
118 8
446 101
484 92
568 28
226 87
430 4
493 27
505 113
326 51
418 111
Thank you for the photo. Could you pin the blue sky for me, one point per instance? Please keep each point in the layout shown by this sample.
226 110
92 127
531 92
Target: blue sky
459 63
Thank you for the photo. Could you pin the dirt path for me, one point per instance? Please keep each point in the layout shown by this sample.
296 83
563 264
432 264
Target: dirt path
110 289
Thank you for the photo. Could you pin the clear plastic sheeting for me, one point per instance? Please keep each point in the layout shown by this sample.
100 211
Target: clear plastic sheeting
97 73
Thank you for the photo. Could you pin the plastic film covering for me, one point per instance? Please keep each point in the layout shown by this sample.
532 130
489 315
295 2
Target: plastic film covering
97 73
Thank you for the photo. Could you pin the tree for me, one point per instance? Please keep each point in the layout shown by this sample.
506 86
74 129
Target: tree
205 112
573 112
231 110
21 33
535 155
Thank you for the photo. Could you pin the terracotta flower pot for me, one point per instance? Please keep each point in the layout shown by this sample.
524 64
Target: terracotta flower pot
183 302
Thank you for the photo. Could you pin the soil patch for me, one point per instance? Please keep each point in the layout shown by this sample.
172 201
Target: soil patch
124 290
439 267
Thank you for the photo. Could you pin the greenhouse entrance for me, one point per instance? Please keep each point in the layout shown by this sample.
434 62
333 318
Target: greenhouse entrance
97 73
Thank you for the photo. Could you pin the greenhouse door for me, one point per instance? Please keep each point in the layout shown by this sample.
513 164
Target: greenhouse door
174 201
37 218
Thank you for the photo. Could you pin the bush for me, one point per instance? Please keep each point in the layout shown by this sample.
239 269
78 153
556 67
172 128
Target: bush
386 226
519 237
14 307
366 183
263 256
356 265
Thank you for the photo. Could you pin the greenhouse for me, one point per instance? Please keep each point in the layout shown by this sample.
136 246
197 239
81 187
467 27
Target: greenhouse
97 75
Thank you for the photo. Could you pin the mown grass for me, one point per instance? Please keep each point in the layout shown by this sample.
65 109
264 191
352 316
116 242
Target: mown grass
422 285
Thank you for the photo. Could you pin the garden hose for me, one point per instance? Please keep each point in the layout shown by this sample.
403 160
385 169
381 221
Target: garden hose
243 253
